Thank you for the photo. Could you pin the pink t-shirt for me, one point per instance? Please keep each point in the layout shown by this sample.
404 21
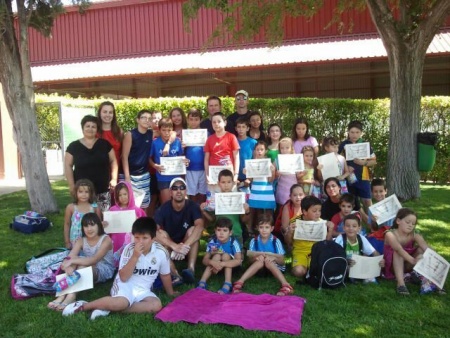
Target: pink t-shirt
221 149
298 145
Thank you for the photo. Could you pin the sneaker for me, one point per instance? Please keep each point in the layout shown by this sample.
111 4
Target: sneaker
99 313
73 308
370 280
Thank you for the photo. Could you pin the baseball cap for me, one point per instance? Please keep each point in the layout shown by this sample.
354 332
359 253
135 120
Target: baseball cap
175 180
243 92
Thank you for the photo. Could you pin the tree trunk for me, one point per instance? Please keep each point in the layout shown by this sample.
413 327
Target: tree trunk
406 69
19 96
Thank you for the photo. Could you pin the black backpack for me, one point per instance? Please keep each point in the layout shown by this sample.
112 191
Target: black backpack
328 266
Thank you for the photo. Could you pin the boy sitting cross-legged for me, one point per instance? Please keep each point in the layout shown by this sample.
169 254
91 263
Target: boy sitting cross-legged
222 253
266 251
140 264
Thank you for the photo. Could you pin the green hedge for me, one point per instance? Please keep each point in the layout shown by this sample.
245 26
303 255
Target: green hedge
325 116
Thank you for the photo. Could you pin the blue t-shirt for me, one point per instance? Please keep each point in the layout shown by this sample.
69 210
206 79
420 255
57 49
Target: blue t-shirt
176 223
230 247
245 153
156 154
196 157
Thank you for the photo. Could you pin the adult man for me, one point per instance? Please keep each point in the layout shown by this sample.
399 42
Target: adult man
241 101
213 105
180 227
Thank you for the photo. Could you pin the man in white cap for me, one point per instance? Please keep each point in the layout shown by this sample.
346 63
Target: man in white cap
180 227
241 102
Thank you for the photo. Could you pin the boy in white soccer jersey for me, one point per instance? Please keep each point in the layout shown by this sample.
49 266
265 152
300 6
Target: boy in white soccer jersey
140 264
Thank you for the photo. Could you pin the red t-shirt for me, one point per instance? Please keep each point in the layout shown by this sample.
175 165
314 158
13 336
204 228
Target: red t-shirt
117 145
221 149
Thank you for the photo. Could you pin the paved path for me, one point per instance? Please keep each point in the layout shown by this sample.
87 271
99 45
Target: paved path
10 186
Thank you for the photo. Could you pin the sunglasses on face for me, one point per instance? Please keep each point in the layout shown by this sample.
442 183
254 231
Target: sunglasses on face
178 187
242 98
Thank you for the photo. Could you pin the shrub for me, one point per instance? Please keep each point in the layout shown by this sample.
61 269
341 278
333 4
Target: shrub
325 117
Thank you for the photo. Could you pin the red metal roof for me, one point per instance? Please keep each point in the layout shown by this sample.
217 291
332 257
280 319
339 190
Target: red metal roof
356 47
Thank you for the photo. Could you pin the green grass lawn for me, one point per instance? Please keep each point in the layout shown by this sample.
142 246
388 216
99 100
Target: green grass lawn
354 311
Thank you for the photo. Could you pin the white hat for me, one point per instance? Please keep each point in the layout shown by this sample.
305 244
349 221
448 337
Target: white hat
243 92
175 180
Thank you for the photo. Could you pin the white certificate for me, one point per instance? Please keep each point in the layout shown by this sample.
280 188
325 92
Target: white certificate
85 282
330 165
173 165
310 230
386 209
139 195
357 150
258 168
230 203
365 267
290 163
119 221
433 267
194 137
214 171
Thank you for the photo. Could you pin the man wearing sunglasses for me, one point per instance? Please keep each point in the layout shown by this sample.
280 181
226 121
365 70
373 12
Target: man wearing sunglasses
180 227
241 102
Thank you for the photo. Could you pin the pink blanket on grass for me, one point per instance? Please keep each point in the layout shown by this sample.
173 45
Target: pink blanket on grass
252 312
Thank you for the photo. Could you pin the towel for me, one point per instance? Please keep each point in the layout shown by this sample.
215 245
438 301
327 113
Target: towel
252 312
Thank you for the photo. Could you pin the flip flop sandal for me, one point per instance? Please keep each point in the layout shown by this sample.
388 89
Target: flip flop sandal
202 285
402 290
285 290
225 289
188 276
237 287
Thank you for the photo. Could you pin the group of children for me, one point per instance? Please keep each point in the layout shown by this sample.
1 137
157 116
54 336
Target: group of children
287 196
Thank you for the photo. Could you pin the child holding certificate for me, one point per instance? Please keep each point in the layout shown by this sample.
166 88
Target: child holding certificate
262 198
124 198
311 208
195 172
165 126
285 180
265 252
403 248
309 178
246 145
331 145
222 253
376 236
222 147
96 249
354 243
226 185
359 167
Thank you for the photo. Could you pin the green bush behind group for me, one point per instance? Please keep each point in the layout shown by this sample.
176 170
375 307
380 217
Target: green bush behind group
325 117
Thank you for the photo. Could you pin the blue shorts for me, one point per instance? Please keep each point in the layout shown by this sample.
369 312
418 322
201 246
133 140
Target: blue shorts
360 188
163 185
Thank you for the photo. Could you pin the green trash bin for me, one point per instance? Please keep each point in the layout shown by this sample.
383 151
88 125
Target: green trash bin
426 152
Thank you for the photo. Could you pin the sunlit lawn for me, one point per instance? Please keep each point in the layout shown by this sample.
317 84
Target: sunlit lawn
354 311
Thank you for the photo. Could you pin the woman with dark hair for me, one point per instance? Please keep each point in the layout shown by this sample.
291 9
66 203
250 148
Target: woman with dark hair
330 207
108 128
92 158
